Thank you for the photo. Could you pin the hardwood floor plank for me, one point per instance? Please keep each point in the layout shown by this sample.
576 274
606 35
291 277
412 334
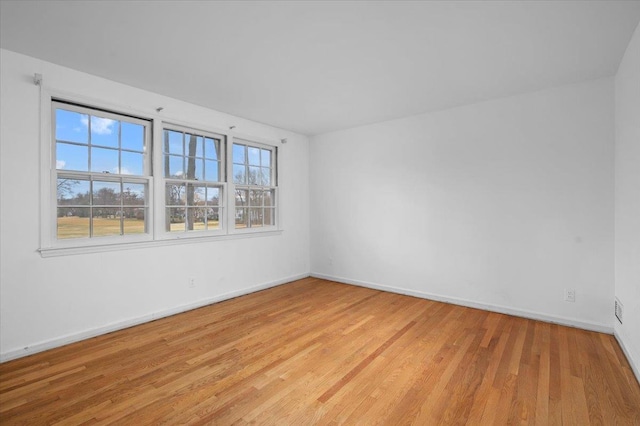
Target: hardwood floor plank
363 364
542 348
319 352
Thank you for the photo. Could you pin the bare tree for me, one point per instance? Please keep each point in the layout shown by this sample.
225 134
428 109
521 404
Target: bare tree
65 187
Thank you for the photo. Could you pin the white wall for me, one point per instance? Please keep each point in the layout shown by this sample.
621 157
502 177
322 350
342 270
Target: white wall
501 204
48 301
627 199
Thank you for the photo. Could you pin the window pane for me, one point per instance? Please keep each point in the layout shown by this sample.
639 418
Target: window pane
173 142
106 193
211 171
254 156
213 218
73 222
266 157
134 194
72 126
241 197
213 196
196 219
175 194
73 191
132 136
254 175
239 174
189 219
255 198
194 169
104 132
269 217
132 163
269 198
241 218
212 148
173 167
200 147
134 220
72 157
176 222
265 176
238 154
190 144
256 217
104 160
106 221
196 195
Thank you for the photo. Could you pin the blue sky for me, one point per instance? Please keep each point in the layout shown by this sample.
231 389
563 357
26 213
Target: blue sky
106 137
103 145
109 138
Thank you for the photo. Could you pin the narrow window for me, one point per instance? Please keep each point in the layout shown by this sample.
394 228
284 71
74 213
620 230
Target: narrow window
254 178
194 180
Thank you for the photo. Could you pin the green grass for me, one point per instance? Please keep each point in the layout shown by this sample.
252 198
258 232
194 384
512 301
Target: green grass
78 227
198 226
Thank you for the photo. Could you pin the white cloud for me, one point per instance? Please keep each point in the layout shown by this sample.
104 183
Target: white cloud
99 125
60 164
122 170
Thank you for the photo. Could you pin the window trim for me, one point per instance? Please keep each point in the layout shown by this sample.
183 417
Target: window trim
274 178
160 232
156 237
56 103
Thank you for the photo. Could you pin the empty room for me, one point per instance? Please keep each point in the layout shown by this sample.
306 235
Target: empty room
320 212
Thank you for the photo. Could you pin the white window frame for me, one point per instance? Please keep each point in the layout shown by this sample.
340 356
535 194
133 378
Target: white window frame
161 232
156 234
251 142
146 178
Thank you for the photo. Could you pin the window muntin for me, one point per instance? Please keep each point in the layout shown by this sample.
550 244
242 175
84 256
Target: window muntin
189 156
252 165
255 185
194 180
102 173
93 141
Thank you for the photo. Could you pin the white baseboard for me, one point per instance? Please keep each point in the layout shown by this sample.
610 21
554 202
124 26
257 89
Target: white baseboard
585 325
87 334
634 366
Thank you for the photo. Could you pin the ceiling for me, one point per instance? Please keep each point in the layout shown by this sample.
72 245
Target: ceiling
315 67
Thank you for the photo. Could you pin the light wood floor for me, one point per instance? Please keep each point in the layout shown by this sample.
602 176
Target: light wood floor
317 352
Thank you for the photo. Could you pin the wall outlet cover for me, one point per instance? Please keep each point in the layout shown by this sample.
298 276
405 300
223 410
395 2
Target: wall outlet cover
570 295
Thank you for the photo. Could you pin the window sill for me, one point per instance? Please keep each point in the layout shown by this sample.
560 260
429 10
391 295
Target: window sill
67 251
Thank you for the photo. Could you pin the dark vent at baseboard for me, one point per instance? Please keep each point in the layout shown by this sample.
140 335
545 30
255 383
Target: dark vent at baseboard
618 310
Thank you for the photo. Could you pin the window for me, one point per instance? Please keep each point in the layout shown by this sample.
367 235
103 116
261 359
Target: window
193 172
118 178
255 185
102 173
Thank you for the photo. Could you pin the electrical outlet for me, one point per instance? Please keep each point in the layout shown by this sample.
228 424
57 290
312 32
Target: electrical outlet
618 310
569 295
192 282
